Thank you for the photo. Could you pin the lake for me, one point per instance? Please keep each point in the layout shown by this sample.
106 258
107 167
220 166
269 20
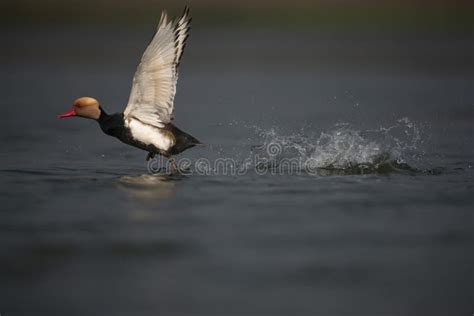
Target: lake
336 176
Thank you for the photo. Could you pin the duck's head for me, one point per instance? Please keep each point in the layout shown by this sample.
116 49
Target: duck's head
84 107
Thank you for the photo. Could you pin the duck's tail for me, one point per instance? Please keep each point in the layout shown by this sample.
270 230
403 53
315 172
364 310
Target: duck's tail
183 140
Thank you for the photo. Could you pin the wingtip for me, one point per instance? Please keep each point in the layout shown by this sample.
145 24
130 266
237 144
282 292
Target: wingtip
163 18
185 14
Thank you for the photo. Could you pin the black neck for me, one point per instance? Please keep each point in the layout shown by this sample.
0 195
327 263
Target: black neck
103 115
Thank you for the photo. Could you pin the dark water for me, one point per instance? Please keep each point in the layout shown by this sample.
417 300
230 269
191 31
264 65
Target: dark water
376 217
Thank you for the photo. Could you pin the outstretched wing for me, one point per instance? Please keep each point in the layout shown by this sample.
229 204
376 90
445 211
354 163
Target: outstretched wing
154 83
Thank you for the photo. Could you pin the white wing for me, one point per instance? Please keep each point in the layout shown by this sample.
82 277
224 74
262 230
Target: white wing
154 83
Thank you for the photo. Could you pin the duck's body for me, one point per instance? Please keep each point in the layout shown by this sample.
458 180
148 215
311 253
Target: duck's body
167 141
146 120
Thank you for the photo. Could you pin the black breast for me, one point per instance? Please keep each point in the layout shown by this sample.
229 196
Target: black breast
114 125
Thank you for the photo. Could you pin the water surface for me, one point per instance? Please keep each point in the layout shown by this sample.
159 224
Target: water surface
384 225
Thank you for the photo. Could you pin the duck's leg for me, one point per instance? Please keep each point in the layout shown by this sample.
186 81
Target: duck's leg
174 166
150 156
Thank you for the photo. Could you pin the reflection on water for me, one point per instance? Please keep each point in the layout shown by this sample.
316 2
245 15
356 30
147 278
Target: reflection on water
147 187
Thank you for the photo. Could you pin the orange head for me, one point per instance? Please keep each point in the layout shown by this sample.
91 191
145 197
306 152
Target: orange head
84 107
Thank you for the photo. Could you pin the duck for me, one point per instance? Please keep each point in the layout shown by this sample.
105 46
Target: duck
147 121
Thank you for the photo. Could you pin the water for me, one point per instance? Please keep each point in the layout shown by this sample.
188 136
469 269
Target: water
354 195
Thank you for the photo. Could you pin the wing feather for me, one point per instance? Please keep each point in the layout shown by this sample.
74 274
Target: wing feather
154 83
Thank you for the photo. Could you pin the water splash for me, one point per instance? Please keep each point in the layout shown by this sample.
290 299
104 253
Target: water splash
345 149
342 149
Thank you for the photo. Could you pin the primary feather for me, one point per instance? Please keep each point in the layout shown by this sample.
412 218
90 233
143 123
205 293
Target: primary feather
154 83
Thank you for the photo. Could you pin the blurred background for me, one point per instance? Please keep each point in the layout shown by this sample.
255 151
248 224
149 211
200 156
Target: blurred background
85 230
404 13
335 38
